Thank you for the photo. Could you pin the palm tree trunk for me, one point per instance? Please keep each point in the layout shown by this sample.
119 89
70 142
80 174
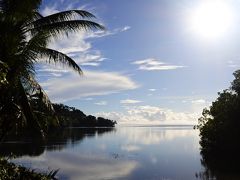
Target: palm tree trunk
32 122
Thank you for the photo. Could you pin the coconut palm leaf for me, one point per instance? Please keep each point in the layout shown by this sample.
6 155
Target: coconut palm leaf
36 91
52 57
62 16
27 110
59 28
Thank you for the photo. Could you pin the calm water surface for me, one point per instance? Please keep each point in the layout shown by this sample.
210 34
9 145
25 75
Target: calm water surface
164 153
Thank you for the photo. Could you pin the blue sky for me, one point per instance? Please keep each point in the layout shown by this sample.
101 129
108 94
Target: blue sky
152 65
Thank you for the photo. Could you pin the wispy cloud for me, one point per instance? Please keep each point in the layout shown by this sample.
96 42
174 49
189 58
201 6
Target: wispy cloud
72 86
152 90
233 64
48 10
199 101
199 104
89 99
98 34
101 103
129 101
152 64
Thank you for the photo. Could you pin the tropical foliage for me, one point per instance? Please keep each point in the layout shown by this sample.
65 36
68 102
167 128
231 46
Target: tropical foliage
220 126
24 37
10 171
72 117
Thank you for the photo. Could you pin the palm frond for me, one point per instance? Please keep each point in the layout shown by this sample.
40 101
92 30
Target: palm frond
36 91
66 27
27 110
28 24
62 16
53 56
40 39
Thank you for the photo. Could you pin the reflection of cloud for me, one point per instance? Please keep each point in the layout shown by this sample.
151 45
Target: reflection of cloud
74 166
153 159
154 64
102 146
130 148
152 136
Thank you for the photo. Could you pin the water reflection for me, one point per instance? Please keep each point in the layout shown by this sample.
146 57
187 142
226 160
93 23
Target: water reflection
125 153
56 141
154 135
219 168
81 166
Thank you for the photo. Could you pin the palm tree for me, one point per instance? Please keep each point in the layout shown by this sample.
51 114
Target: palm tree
24 38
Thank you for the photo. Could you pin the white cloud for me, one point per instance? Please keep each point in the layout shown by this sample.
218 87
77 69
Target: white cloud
152 90
199 104
199 101
233 64
101 103
126 28
88 99
73 43
151 115
92 83
56 74
47 69
152 64
129 101
48 10
98 34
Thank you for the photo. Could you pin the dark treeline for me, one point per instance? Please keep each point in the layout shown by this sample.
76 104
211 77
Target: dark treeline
72 117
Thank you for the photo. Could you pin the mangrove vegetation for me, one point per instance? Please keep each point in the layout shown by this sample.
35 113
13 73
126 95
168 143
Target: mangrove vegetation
220 129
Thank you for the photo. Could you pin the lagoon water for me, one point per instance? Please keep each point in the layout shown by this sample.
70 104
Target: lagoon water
148 153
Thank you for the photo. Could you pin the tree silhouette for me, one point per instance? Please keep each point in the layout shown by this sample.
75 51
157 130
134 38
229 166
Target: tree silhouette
72 117
220 128
24 37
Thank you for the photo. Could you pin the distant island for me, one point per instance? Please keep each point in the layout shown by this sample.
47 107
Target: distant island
72 117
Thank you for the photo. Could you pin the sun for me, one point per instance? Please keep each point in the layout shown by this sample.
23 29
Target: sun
211 19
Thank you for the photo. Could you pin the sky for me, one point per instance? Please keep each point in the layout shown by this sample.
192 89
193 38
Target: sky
157 62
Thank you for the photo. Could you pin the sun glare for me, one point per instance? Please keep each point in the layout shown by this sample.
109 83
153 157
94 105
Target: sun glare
212 19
